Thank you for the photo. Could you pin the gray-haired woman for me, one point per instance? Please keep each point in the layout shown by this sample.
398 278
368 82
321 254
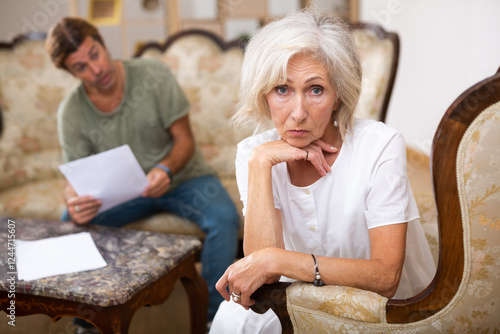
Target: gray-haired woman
320 182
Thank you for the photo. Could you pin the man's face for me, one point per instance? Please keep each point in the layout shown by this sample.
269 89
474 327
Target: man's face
93 65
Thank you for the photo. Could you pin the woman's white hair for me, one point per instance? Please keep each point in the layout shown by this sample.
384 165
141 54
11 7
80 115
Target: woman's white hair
316 34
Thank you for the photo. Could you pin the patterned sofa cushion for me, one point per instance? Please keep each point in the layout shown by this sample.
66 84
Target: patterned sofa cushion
30 91
41 199
376 57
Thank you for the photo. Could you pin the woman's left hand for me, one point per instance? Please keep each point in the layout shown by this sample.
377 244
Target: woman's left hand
245 276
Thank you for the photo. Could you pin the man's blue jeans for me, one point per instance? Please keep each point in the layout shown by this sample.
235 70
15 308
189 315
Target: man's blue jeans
202 200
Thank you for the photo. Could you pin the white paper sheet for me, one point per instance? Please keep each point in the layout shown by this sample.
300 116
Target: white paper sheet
113 176
56 256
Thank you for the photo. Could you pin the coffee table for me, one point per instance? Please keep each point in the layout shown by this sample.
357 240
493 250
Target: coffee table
142 269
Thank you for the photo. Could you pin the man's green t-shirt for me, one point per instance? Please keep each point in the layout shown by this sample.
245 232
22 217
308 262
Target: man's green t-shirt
151 102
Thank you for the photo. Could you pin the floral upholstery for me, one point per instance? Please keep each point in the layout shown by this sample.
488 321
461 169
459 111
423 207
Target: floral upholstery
376 60
30 91
476 306
311 307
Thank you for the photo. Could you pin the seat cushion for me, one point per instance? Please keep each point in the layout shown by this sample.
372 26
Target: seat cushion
42 199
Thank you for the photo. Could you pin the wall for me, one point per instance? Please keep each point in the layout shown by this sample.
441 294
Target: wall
446 46
24 16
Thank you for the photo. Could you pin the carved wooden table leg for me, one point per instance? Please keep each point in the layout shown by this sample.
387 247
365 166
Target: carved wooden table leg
197 292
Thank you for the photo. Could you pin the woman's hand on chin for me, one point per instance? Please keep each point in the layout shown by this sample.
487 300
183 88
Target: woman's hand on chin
273 153
315 154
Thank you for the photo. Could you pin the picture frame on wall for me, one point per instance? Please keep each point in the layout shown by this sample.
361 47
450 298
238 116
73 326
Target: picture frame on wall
105 12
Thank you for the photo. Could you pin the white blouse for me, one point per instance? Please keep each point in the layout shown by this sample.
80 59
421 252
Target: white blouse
366 188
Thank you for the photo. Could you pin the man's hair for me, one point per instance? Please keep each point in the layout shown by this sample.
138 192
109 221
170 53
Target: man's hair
323 37
66 36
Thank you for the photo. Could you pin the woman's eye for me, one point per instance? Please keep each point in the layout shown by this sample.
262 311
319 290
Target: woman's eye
316 90
281 90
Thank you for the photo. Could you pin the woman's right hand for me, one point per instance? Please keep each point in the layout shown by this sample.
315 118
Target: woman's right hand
244 277
280 151
83 209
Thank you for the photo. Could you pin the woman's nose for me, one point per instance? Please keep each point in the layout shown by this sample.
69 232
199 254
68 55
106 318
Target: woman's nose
299 111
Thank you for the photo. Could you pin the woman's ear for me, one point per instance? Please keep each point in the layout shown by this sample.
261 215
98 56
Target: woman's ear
336 105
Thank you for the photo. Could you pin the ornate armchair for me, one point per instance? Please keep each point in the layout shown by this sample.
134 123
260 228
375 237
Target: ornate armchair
463 297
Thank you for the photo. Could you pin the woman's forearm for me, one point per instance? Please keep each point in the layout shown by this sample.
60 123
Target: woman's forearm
262 224
373 275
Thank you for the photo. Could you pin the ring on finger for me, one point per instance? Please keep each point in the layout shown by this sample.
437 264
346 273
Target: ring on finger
307 155
236 297
77 208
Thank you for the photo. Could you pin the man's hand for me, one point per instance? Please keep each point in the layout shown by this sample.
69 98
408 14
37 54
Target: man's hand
83 208
159 183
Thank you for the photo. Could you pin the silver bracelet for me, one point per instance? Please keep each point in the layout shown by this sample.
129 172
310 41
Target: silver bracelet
317 277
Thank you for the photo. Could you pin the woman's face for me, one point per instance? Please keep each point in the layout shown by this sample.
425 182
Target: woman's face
301 108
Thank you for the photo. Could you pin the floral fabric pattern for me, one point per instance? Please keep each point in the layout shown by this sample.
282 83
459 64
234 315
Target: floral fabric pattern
31 89
308 306
376 60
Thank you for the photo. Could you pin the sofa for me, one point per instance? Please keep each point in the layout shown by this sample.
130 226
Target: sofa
207 69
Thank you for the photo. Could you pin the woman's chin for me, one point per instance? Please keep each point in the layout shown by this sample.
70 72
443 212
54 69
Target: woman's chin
299 143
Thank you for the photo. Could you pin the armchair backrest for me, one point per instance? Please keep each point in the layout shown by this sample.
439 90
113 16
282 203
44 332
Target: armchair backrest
465 165
379 54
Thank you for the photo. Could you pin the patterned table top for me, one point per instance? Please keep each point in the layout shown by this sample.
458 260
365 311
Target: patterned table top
135 259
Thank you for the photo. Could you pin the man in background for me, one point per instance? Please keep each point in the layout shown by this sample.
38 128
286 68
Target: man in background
138 102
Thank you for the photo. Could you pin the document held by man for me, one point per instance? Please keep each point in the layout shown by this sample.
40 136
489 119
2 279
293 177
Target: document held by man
113 176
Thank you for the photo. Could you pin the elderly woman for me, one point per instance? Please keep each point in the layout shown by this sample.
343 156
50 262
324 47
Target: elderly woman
326 196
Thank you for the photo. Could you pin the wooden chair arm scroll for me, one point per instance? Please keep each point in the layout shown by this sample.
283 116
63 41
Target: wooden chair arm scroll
273 296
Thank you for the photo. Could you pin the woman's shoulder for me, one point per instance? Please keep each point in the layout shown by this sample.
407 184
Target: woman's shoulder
373 131
259 139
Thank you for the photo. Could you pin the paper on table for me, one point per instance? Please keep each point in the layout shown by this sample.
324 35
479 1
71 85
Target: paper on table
113 176
56 256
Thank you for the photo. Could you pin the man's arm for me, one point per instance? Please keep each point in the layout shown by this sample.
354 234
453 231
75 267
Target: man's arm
181 152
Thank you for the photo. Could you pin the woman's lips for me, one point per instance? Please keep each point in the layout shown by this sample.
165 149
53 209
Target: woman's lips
298 133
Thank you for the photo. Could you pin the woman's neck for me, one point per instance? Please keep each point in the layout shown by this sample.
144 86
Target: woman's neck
303 173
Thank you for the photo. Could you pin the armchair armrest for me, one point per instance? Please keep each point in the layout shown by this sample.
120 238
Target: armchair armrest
273 296
322 306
